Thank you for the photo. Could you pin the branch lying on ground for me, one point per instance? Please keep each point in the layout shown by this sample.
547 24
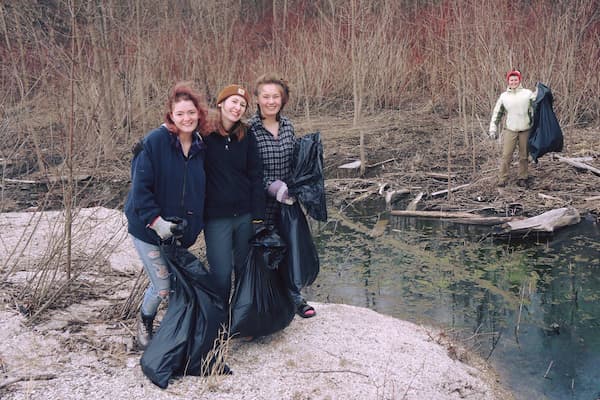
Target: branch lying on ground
10 381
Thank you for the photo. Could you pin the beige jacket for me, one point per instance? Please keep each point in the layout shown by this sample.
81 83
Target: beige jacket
517 104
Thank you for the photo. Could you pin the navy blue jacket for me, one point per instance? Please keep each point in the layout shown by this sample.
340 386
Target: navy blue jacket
234 177
166 183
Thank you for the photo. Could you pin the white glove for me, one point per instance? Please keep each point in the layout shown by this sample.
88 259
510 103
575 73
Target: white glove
279 190
163 228
493 134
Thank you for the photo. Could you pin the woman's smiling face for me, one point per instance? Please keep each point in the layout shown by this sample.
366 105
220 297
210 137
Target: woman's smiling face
185 116
513 81
232 109
270 99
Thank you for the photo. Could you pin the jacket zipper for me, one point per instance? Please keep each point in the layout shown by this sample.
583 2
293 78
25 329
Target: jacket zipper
185 167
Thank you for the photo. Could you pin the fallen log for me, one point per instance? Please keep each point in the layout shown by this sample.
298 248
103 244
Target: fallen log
457 217
578 164
546 222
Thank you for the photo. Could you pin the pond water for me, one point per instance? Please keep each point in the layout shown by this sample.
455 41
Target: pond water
531 307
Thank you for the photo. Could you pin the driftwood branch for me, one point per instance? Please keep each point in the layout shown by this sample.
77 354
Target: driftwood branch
351 165
412 206
43 377
578 164
49 179
334 371
546 222
380 163
357 163
445 191
548 197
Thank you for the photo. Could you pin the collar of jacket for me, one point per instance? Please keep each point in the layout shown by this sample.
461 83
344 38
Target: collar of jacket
197 142
515 89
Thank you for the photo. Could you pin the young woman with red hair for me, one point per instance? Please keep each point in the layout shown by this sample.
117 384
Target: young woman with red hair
167 185
516 103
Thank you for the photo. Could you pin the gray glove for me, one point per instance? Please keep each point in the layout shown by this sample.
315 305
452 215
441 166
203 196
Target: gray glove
163 228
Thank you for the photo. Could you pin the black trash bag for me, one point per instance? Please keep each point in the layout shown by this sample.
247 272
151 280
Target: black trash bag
191 324
301 266
261 304
307 183
546 135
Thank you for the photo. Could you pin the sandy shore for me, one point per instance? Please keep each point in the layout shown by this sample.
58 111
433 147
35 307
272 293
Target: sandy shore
345 352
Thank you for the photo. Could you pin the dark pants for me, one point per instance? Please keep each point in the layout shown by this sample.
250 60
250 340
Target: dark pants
226 249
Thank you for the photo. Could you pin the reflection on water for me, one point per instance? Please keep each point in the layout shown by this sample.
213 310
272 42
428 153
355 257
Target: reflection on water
533 305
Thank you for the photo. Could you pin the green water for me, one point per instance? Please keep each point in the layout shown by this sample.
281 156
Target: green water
530 307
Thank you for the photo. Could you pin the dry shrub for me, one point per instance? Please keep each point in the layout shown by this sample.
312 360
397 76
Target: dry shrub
360 56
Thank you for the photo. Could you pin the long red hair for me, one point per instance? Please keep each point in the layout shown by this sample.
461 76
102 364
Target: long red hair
184 91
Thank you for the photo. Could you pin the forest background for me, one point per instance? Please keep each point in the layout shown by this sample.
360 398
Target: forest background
82 80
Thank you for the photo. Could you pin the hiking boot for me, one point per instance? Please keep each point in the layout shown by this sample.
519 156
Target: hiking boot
145 328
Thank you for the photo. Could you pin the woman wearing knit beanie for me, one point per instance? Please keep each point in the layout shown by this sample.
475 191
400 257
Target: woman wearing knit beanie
517 104
275 138
235 196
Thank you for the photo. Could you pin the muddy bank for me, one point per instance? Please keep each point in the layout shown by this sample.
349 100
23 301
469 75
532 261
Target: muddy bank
409 153
413 153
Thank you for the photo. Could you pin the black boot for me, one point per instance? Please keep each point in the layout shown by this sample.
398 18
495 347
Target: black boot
145 328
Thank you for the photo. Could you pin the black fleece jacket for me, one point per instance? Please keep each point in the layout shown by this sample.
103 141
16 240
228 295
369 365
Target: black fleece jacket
233 177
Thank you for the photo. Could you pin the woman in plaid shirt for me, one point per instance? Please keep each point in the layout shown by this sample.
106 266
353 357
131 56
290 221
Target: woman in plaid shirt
275 139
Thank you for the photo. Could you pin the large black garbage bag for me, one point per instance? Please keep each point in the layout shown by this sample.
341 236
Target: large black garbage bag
261 304
191 324
546 135
307 183
301 266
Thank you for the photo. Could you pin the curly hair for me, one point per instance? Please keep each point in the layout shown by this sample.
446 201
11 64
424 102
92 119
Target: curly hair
185 91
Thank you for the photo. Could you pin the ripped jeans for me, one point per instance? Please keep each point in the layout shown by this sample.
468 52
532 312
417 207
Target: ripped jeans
158 272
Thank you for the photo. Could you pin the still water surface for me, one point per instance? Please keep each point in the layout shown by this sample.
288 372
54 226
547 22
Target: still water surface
532 308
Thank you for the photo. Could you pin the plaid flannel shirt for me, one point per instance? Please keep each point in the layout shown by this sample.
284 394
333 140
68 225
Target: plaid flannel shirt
276 155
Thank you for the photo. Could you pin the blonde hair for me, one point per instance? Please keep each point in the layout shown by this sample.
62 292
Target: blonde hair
276 80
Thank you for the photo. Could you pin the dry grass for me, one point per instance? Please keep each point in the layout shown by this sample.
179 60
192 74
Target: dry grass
359 57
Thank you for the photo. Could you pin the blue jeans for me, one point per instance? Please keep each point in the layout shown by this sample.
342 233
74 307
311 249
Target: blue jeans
157 269
227 248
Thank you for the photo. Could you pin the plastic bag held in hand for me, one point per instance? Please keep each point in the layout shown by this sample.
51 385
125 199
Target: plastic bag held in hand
279 190
163 228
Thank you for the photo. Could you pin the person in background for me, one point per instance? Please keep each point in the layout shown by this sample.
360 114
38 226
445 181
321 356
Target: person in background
235 199
167 188
517 104
275 137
